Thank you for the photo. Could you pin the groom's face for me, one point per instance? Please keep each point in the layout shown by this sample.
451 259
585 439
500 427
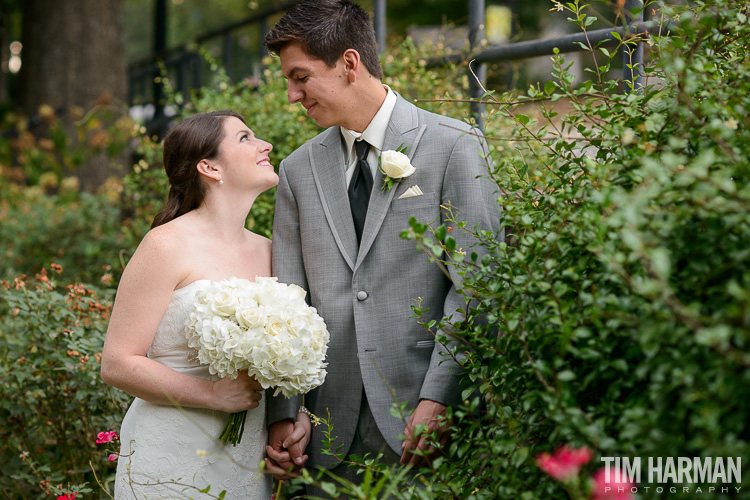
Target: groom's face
322 90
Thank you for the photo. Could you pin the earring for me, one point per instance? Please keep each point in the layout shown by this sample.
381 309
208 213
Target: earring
221 181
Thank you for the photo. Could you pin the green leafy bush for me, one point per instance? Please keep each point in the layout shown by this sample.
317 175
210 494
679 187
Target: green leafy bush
618 313
54 144
52 398
80 231
44 215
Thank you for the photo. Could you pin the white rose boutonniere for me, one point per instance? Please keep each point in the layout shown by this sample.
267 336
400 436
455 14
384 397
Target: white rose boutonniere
395 166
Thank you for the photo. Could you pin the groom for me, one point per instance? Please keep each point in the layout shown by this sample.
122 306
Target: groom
336 234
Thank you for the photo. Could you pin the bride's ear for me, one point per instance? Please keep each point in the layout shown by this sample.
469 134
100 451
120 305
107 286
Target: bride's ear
208 170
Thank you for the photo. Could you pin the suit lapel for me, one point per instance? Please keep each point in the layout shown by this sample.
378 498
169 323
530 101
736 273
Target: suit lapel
403 129
327 161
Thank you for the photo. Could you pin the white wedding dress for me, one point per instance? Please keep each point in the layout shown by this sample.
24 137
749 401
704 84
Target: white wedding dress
178 448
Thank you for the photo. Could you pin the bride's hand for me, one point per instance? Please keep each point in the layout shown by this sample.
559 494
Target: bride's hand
242 393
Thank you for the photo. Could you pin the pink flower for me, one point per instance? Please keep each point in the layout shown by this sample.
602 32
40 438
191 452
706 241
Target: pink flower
67 496
113 457
613 489
106 437
565 463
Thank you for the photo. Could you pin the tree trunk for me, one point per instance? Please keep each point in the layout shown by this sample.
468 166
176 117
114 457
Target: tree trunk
4 58
74 57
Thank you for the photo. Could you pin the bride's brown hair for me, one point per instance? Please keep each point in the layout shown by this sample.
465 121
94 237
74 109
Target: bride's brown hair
194 139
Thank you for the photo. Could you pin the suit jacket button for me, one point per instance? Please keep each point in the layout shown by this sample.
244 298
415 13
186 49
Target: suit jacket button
361 295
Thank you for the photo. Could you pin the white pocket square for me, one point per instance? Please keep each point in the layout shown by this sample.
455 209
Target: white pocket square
412 191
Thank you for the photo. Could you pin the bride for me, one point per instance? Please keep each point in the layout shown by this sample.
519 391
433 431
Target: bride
169 436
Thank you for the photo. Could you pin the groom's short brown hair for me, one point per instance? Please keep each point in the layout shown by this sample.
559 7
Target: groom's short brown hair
325 29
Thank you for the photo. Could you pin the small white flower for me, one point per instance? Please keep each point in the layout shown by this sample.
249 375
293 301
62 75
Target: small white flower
628 136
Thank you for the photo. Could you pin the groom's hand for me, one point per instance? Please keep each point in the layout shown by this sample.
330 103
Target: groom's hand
286 444
427 414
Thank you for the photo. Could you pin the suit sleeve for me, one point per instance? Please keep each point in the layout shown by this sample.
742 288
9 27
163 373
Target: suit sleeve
473 195
289 267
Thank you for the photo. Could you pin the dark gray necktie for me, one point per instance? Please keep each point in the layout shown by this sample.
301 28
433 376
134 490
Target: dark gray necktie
360 187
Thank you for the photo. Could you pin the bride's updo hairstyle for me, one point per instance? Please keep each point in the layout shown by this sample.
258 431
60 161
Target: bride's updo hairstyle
194 139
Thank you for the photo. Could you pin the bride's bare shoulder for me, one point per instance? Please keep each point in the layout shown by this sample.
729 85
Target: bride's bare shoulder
161 261
165 237
169 242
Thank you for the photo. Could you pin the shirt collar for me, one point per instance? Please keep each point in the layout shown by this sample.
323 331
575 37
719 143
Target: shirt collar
375 131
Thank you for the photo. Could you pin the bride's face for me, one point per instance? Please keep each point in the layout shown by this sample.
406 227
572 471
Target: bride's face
244 158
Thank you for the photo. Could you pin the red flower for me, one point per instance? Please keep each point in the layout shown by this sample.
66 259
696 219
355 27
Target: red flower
565 463
67 496
106 437
113 457
612 489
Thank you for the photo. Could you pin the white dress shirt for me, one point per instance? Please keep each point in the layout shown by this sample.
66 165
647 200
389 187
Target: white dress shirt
373 134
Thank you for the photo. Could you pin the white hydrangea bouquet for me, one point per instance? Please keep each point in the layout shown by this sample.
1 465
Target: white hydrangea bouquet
264 327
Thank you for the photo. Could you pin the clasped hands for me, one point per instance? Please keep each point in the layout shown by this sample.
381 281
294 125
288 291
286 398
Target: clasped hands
287 440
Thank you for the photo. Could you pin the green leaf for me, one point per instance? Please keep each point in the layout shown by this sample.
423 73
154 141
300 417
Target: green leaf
450 243
328 487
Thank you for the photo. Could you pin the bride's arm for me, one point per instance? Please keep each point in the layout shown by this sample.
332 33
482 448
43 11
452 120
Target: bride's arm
146 287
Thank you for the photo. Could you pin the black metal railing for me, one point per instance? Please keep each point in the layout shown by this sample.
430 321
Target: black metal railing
186 68
632 52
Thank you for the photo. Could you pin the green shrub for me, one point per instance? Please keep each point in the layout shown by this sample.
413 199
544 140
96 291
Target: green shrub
44 216
54 145
618 314
52 398
80 231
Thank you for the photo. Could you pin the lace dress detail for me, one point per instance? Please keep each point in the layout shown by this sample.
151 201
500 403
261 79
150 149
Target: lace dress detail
171 452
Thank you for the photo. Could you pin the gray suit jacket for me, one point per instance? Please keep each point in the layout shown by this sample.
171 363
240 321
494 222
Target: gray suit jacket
365 294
